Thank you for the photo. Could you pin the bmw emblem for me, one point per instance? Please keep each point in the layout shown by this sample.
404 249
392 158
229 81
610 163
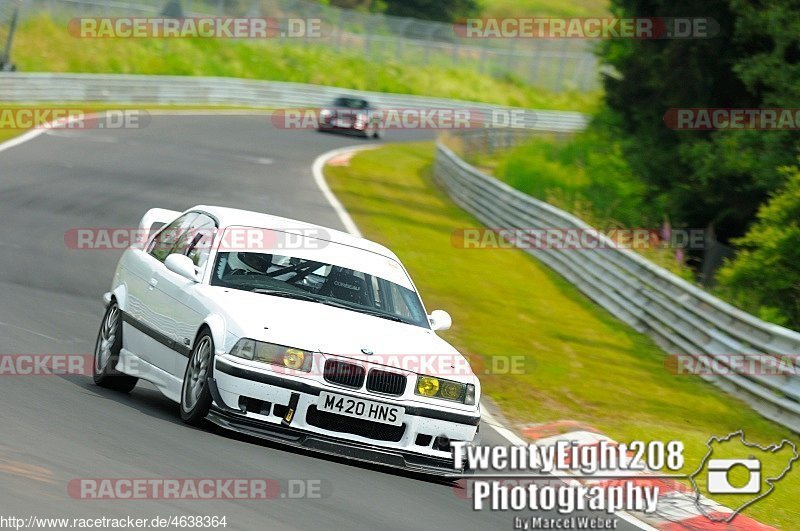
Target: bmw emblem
366 351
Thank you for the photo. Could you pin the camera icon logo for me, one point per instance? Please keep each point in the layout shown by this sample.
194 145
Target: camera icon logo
741 468
719 481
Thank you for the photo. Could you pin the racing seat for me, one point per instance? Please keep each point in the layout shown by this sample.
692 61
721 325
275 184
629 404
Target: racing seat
342 284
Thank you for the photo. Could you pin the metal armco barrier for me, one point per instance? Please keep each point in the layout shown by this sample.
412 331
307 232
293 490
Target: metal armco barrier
680 317
186 90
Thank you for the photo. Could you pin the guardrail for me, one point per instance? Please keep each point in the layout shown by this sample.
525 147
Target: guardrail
186 90
680 317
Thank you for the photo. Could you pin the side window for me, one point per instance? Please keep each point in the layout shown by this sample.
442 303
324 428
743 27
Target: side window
196 244
400 301
163 243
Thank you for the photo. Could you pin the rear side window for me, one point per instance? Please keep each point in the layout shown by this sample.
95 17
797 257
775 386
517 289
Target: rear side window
196 244
192 235
165 241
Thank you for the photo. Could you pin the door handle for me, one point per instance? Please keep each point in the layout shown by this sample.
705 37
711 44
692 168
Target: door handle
153 283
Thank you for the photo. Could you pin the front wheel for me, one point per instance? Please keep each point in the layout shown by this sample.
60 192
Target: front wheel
195 394
106 353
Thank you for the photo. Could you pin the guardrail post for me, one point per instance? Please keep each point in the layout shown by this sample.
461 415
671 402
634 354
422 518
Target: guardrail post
398 50
560 77
429 43
368 42
343 19
173 9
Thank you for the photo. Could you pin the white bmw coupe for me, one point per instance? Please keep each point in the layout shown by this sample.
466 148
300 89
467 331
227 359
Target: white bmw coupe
290 332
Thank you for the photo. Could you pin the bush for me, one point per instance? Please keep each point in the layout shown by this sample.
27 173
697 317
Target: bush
764 278
586 174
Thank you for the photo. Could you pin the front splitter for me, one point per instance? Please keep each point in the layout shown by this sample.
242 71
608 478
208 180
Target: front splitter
234 420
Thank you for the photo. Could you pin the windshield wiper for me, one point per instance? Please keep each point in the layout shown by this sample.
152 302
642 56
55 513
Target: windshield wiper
286 294
361 309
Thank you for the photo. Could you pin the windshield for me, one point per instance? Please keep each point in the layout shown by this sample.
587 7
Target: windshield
272 274
351 103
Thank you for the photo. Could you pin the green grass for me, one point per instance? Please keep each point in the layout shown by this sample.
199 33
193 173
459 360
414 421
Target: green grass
8 134
582 363
585 173
43 45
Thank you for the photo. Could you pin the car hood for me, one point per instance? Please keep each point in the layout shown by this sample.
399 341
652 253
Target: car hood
338 332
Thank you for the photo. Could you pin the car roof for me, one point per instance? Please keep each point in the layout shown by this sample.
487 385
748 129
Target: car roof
234 217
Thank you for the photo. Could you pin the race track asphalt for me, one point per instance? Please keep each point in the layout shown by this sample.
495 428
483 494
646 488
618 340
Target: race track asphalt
54 429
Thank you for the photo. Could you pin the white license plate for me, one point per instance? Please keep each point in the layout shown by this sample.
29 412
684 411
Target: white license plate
361 409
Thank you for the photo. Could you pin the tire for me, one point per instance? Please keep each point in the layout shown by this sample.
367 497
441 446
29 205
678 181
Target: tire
106 353
195 394
377 133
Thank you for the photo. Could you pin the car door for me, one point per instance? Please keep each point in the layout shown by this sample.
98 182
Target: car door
178 295
144 312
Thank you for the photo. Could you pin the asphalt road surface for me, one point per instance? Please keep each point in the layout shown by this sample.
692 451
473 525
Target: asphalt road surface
54 429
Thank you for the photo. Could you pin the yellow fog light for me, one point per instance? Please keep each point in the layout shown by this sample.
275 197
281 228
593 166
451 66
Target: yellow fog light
294 358
451 390
427 386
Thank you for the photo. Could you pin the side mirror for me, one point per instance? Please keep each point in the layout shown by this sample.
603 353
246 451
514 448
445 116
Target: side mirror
182 265
440 320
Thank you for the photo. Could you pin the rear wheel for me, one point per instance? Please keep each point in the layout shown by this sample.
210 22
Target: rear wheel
195 394
106 353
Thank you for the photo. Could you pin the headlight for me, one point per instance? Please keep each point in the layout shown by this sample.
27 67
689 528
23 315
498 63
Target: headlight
294 358
445 389
291 358
427 386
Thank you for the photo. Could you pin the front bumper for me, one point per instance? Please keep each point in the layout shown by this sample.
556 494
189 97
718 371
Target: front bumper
411 446
350 127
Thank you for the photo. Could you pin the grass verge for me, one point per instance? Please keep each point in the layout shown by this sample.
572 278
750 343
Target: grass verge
44 45
581 363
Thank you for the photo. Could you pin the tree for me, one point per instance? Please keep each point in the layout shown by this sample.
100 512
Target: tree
360 5
713 178
765 275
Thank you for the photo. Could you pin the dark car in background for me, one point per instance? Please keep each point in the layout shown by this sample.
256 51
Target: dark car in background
351 114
